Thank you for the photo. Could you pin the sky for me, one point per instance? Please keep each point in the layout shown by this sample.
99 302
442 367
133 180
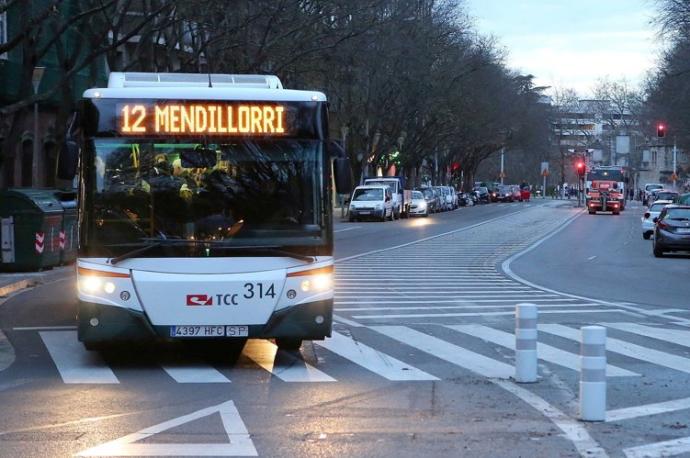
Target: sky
572 43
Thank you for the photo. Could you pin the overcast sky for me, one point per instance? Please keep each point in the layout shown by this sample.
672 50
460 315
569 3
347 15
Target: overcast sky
572 43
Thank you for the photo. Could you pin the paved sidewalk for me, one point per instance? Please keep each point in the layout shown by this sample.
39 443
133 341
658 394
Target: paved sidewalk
10 283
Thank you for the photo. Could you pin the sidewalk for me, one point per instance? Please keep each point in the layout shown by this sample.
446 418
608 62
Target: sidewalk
10 283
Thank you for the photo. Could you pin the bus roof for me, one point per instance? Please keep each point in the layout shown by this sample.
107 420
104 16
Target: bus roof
195 86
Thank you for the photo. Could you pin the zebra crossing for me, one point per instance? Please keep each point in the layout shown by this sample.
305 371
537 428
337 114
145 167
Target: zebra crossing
382 350
453 276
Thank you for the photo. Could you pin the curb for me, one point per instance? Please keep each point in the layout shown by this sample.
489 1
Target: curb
16 286
7 355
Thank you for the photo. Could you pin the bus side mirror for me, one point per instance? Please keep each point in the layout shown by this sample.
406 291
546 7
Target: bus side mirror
342 175
68 160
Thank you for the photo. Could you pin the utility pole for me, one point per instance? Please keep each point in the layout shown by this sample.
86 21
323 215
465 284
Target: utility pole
502 164
675 153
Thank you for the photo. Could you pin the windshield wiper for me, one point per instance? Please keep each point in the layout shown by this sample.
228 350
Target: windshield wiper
270 250
211 245
158 243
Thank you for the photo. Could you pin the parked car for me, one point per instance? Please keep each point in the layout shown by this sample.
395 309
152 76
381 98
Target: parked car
482 194
672 230
517 195
664 194
505 194
648 188
443 194
432 199
525 193
652 212
371 202
418 204
683 199
493 194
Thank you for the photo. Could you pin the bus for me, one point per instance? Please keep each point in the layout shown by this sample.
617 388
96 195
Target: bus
609 173
205 210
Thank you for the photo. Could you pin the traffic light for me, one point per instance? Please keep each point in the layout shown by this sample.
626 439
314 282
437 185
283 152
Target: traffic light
661 130
580 167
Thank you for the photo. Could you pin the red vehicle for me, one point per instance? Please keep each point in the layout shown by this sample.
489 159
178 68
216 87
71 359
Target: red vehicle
604 196
525 194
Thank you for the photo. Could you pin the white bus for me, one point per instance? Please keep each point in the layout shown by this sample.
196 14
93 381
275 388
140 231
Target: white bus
205 210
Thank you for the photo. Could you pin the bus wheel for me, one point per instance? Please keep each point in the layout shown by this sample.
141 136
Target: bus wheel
288 343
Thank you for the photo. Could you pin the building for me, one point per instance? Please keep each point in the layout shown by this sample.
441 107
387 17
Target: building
29 155
657 165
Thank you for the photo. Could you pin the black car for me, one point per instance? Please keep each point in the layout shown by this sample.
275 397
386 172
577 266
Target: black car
482 193
505 194
672 230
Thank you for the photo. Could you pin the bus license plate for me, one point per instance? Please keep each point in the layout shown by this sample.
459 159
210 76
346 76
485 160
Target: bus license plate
197 331
237 331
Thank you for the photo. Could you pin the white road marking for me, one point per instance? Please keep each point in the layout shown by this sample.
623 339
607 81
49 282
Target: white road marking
373 360
545 352
675 336
648 409
240 443
448 315
628 349
591 258
572 429
342 320
45 328
447 351
282 364
451 307
73 361
194 373
666 448
346 229
450 301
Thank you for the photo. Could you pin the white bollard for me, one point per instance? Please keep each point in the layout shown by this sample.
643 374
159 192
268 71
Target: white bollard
526 343
593 373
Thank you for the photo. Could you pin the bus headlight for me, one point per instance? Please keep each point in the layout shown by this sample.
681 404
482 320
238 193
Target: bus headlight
109 287
320 282
91 284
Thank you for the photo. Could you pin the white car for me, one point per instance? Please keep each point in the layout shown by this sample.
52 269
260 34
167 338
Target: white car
648 217
371 202
648 188
418 204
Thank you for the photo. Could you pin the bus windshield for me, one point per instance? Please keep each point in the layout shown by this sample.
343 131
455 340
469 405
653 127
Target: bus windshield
239 192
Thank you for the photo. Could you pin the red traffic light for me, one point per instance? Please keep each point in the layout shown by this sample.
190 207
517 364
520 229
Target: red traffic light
661 130
580 168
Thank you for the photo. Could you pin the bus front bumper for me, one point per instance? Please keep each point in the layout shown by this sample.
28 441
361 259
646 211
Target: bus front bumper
104 323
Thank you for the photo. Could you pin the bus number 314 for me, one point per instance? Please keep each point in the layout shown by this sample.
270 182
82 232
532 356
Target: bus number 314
258 290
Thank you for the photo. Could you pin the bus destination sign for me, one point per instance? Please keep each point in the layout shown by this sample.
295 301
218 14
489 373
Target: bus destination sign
243 119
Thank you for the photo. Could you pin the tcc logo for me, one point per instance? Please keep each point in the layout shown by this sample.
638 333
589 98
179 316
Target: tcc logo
199 299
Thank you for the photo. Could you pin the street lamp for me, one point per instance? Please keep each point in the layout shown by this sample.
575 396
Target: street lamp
36 78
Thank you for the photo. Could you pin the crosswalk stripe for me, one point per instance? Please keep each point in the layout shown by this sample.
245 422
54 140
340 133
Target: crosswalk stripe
674 336
74 363
454 354
194 373
648 409
628 349
545 352
452 301
449 315
283 365
450 307
665 448
373 360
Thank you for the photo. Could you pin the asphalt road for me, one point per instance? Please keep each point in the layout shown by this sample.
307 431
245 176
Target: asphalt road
419 364
608 259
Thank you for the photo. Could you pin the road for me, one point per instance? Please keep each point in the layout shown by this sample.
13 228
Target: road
419 364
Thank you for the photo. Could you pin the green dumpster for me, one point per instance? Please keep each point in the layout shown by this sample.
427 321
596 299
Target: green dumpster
69 231
31 225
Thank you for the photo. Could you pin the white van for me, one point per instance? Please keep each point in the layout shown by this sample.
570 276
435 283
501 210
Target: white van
371 202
